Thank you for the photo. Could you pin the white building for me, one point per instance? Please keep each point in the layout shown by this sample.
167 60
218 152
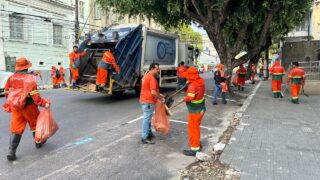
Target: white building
208 47
40 30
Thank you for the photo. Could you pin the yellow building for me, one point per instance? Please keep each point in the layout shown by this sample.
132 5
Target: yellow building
99 18
315 20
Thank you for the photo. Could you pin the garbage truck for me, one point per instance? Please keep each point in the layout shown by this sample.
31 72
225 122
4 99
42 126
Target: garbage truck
135 48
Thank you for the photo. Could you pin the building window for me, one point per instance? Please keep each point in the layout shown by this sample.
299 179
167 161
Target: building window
97 11
57 34
16 27
81 9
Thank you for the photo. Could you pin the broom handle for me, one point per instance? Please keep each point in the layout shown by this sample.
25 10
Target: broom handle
175 93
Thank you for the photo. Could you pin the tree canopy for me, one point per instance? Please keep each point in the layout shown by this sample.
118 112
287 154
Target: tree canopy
188 35
232 25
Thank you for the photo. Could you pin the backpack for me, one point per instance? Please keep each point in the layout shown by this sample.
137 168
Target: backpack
17 96
58 75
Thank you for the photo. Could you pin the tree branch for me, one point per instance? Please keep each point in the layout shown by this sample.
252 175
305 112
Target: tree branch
193 16
262 40
224 11
195 5
241 35
209 10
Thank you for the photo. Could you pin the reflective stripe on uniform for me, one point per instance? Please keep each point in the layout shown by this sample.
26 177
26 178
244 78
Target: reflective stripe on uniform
191 94
277 73
34 92
295 97
6 92
197 101
195 148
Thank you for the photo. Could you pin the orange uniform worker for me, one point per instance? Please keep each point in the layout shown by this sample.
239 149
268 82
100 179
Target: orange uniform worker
74 58
107 63
297 78
241 72
196 109
181 80
61 81
277 71
253 73
55 79
23 101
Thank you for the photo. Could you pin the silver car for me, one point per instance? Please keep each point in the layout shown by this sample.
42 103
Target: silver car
3 79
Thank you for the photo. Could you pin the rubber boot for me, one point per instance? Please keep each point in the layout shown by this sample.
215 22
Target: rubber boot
38 145
74 85
14 143
239 88
242 88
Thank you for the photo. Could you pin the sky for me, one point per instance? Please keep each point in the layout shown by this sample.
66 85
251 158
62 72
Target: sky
197 29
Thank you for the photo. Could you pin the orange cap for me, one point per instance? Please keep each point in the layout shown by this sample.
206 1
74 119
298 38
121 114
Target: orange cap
22 64
219 66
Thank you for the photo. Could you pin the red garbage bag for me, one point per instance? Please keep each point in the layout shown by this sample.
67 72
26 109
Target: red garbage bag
235 80
160 120
46 126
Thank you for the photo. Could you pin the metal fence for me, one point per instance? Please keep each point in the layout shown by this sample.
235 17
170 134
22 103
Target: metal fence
312 69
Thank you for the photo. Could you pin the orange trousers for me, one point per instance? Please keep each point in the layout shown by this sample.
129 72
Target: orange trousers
102 76
62 80
295 89
241 81
74 74
55 81
252 76
194 121
276 88
21 117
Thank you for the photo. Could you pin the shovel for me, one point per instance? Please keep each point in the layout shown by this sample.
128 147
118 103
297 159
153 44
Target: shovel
169 99
282 92
304 92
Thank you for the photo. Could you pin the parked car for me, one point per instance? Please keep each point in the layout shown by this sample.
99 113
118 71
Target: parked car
3 79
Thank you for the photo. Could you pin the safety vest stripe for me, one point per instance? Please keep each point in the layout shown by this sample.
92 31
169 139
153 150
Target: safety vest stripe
6 92
296 77
195 148
276 91
34 92
277 73
191 94
197 101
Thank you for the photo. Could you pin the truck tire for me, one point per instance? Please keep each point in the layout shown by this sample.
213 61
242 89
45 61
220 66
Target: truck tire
118 93
137 89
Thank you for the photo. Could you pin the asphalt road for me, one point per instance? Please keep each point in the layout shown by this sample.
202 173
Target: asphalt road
99 138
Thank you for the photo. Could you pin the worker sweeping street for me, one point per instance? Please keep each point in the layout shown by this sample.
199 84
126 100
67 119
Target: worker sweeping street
277 71
74 58
195 102
181 80
62 80
55 75
253 73
105 67
297 79
149 95
242 73
23 101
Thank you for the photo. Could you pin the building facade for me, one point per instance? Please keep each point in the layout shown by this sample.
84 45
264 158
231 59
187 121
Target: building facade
309 26
100 18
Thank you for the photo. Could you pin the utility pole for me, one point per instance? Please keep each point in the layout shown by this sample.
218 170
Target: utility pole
76 24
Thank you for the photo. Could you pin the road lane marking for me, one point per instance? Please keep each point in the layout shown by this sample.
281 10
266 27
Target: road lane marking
183 122
84 141
75 164
220 98
134 120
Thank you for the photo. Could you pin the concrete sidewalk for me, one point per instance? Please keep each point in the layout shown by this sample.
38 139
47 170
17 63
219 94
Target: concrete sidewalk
276 139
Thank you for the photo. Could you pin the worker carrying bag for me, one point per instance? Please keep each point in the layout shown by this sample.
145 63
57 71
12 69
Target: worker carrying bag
46 126
160 120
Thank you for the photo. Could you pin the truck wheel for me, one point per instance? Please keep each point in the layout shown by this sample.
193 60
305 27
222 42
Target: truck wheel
118 93
137 89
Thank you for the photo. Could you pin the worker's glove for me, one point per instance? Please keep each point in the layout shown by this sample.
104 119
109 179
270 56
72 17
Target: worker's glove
47 106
